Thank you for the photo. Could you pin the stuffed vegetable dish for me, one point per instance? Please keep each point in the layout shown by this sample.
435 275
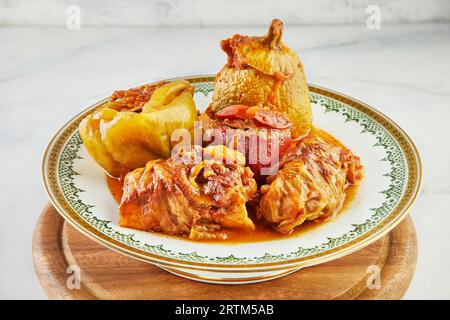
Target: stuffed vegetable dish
251 167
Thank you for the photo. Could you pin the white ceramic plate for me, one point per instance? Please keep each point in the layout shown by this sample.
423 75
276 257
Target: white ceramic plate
77 188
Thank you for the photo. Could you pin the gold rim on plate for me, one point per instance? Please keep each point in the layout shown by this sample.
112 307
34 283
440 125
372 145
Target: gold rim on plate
255 279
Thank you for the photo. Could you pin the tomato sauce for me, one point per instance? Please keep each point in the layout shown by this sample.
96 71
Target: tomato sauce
262 232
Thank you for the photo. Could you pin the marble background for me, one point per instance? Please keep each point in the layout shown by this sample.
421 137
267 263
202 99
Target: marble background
219 12
50 73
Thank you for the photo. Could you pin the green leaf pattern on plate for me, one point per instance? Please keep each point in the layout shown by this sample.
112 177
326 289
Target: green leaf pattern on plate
393 194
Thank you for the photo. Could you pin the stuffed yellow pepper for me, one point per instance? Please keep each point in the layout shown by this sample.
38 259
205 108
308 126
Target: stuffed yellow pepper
136 125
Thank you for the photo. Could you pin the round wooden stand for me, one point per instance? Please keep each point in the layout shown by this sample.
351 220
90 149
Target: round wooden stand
106 274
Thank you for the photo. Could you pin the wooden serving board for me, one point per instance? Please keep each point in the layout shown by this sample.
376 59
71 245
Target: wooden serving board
106 274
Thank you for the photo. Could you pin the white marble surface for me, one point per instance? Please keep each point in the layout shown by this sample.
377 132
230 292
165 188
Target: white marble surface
49 74
218 12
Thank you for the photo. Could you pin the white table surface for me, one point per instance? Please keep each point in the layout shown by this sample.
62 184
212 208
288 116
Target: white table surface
47 75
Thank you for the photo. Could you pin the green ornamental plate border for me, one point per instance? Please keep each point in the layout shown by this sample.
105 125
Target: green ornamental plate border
406 177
